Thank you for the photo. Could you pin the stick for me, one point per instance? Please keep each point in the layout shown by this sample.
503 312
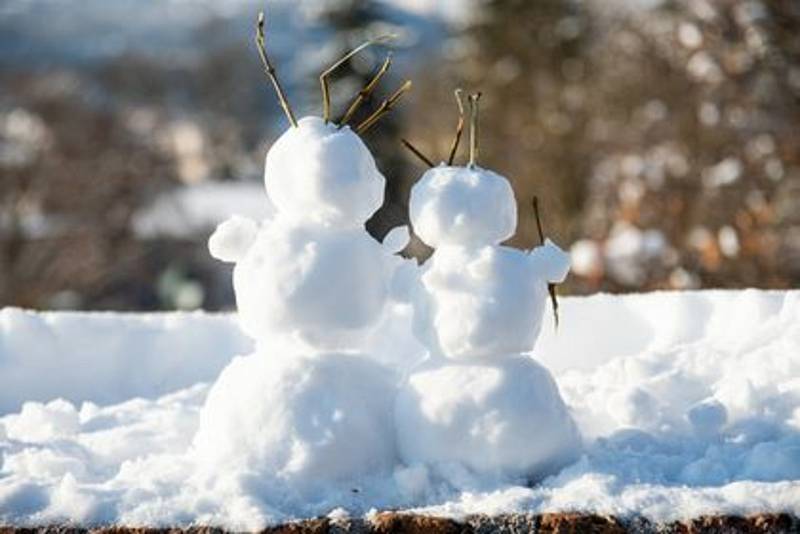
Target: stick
366 91
551 288
385 107
269 70
323 78
414 150
459 127
538 220
473 128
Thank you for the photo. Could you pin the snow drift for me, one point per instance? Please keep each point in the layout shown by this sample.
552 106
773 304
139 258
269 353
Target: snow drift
689 404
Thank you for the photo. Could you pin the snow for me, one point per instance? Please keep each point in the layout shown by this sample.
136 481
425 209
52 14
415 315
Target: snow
309 422
481 303
323 173
284 283
486 302
487 415
689 403
462 206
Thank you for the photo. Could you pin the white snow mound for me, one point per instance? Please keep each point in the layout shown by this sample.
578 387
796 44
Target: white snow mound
467 206
322 173
501 418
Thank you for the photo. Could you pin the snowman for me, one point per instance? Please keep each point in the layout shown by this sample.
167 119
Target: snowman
480 401
308 409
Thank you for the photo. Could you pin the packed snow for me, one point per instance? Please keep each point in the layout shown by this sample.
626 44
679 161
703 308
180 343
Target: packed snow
715 429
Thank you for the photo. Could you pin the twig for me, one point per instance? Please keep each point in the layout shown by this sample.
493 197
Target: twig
323 78
414 150
366 91
538 220
385 107
269 70
459 127
551 288
473 128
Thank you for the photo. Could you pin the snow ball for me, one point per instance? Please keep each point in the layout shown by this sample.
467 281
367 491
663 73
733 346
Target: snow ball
38 423
497 418
708 416
232 238
323 173
633 407
307 421
322 286
476 304
462 206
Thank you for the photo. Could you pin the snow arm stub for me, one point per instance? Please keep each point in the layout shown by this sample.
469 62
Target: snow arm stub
550 262
232 239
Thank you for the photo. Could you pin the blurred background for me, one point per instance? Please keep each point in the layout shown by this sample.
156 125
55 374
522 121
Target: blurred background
662 137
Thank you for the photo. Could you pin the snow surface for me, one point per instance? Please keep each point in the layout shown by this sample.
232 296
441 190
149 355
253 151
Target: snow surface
689 403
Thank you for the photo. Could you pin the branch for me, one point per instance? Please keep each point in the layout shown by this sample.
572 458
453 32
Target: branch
538 220
473 128
323 78
414 150
366 91
551 288
459 127
385 107
269 70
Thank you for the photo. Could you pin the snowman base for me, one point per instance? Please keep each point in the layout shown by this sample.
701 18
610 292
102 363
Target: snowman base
501 417
306 421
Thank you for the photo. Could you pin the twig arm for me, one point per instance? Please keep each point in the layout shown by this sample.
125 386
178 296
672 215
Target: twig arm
459 127
323 78
473 128
269 70
385 107
551 288
366 91
414 150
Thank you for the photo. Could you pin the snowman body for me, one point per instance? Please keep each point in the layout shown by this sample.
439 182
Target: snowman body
308 407
481 400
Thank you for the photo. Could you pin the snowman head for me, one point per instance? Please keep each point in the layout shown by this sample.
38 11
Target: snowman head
322 173
320 170
467 206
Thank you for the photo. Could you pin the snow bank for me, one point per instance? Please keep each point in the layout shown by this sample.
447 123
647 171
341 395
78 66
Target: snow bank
689 404
108 358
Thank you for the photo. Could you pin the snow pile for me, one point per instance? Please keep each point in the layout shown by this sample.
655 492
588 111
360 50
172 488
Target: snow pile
688 403
479 402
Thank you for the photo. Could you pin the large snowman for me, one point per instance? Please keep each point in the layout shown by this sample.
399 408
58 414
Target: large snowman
309 408
481 400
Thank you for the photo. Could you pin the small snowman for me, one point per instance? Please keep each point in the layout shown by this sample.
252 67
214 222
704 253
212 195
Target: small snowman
307 409
480 401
